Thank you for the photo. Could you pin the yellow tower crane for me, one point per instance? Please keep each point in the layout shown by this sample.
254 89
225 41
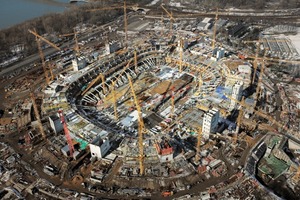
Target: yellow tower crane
38 41
76 47
37 115
141 128
256 58
113 90
181 55
125 6
171 18
265 116
100 76
115 100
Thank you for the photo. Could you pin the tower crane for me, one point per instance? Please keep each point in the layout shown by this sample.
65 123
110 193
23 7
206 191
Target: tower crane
113 90
214 41
256 58
171 18
115 100
263 59
67 134
125 6
100 76
38 39
181 55
265 116
141 128
76 47
37 115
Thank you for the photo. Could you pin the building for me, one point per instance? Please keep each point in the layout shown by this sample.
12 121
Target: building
99 147
164 150
220 53
79 63
236 94
210 122
246 69
55 123
112 47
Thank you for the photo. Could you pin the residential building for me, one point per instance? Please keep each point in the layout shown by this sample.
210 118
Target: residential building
210 122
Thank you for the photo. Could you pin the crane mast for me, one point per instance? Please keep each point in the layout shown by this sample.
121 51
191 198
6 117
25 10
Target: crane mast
67 134
170 16
38 39
42 60
135 62
181 55
141 128
115 101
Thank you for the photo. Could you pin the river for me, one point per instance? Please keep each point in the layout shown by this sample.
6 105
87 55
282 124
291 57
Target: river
13 12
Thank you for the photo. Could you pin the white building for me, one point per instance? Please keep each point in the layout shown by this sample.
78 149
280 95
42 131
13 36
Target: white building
210 122
220 53
112 47
55 123
236 94
246 69
79 63
99 147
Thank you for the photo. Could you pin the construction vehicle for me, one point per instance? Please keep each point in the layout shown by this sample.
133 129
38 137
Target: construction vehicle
37 115
38 40
167 193
67 134
141 128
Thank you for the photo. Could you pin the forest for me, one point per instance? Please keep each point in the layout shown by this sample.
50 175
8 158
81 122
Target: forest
59 23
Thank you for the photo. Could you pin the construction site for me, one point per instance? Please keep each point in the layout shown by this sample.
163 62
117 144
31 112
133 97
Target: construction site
167 110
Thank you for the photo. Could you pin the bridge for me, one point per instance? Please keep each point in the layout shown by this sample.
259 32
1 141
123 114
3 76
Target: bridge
75 1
